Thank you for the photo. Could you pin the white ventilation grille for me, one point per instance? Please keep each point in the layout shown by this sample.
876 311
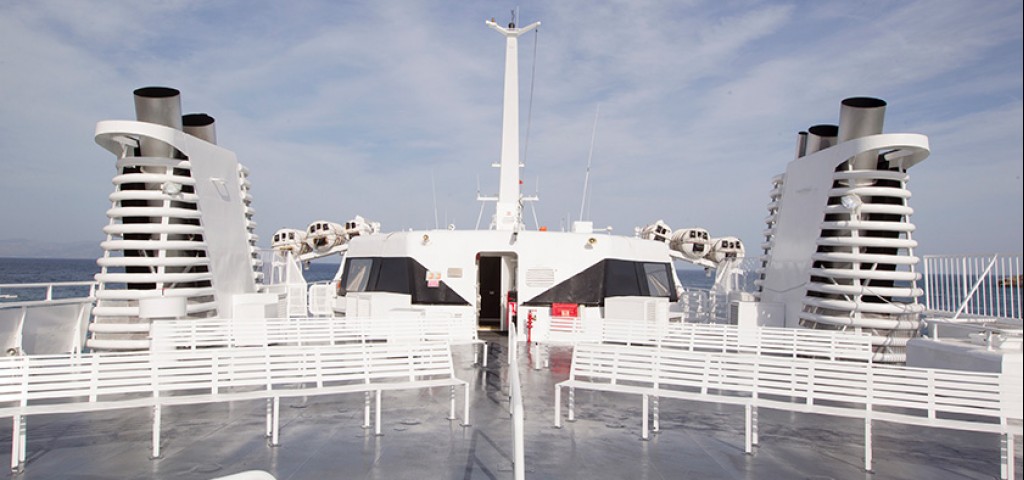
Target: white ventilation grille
862 276
540 277
769 232
154 248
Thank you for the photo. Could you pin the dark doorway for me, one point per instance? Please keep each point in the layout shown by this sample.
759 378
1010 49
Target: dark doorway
489 281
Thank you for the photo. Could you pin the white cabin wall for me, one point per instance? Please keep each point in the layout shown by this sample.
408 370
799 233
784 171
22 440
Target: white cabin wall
564 254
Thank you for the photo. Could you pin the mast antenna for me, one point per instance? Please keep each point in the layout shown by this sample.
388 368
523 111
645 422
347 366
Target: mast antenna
590 157
508 211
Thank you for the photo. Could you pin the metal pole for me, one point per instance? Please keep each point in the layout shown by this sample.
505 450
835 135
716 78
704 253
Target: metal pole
156 431
15 441
275 436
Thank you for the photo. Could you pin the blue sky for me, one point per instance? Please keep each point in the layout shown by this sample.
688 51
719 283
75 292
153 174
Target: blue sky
345 108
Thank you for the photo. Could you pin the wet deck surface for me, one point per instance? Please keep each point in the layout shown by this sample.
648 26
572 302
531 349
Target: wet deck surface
322 437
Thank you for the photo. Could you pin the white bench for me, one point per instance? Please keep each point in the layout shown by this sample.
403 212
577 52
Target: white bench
792 342
223 332
935 398
36 385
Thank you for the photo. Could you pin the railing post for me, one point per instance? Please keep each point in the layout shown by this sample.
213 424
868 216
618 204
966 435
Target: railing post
928 284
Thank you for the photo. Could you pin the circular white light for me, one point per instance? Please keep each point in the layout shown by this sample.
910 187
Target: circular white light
171 188
851 201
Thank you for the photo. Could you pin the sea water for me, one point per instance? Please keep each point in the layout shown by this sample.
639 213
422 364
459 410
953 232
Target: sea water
52 270
49 270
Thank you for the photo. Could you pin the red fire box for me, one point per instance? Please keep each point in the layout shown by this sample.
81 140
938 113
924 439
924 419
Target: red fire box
570 310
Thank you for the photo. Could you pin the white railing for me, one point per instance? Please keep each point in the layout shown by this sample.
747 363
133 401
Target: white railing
515 390
66 292
974 288
704 306
44 318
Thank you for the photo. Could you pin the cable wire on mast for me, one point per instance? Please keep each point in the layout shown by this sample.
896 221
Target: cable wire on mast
529 107
590 156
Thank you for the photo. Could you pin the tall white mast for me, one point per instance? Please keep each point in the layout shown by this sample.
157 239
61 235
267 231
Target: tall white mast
508 215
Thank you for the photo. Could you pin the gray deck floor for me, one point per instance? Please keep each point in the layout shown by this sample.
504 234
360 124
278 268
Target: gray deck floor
321 437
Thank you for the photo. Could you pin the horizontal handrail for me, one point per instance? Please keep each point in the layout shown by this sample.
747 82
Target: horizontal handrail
48 284
47 295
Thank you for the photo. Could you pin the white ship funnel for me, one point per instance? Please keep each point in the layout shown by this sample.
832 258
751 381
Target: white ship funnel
180 222
839 247
861 117
820 137
162 106
200 125
801 144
